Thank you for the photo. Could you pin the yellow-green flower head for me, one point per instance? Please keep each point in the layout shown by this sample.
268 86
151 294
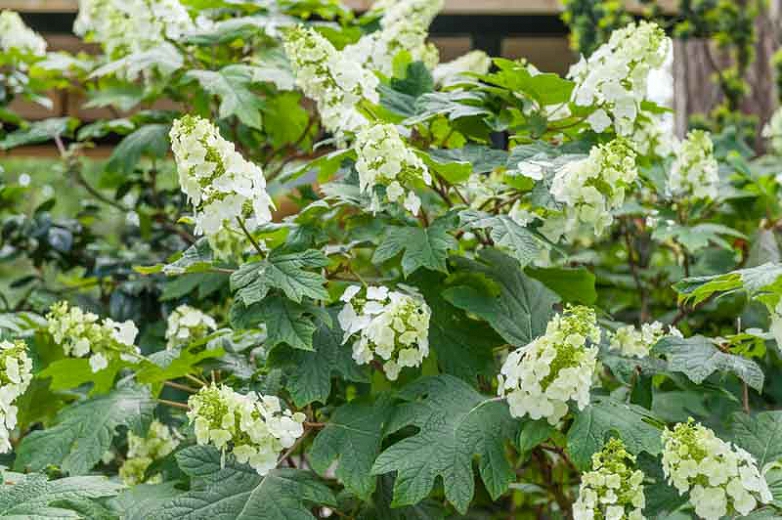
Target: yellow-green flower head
540 378
253 427
721 479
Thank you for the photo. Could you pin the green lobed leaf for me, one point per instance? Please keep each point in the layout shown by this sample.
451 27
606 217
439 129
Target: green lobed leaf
573 285
231 85
33 496
520 308
697 289
464 346
236 491
83 432
760 434
352 438
455 424
697 358
149 140
603 418
521 242
310 372
423 247
286 272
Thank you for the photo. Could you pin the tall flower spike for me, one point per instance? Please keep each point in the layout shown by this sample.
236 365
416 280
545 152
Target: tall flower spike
15 376
422 12
476 61
377 50
81 333
539 379
391 325
253 427
383 159
614 77
143 451
637 343
131 26
592 188
187 324
613 489
722 479
222 185
695 172
15 35
331 79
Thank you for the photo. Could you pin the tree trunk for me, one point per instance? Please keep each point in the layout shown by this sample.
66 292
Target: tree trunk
695 91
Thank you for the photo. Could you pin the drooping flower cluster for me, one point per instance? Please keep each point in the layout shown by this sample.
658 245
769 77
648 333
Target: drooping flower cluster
540 378
474 61
391 325
593 187
222 185
722 479
694 173
251 426
132 26
15 35
395 11
331 79
631 341
773 132
614 77
613 489
15 375
377 50
187 324
383 159
143 451
81 333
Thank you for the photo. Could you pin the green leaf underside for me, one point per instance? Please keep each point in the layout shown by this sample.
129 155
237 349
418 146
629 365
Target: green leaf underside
697 358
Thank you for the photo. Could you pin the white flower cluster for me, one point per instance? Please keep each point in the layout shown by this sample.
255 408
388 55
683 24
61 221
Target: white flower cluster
384 159
695 172
722 480
377 50
593 187
80 333
540 378
187 324
395 11
15 35
254 427
392 325
631 341
143 451
15 375
614 77
613 490
222 185
476 61
125 27
773 132
331 79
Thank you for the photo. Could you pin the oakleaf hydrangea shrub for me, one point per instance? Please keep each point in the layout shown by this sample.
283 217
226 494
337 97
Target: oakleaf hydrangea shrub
322 274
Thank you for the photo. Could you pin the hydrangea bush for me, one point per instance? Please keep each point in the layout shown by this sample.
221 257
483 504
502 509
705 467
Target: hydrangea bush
323 275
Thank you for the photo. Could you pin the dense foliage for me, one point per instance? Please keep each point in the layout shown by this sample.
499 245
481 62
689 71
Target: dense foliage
322 275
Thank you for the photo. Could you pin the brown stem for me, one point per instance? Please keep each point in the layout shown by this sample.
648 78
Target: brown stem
181 387
174 404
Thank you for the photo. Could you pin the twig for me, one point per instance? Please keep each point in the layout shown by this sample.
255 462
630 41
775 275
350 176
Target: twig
173 404
250 237
181 387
